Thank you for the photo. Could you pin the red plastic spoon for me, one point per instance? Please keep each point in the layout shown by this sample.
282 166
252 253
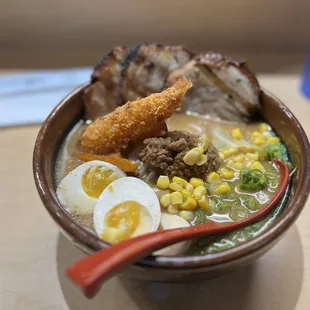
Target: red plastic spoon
90 272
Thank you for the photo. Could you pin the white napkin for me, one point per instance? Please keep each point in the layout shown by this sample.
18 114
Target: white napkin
28 98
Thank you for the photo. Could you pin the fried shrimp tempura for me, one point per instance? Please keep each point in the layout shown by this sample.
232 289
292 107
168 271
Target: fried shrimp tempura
133 121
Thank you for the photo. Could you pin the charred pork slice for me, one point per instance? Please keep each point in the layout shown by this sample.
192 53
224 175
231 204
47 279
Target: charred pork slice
102 95
222 88
147 67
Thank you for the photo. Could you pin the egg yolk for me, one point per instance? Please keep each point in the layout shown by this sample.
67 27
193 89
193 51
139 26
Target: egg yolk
121 222
95 179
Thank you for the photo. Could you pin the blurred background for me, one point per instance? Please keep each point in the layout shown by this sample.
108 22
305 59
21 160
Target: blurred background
272 35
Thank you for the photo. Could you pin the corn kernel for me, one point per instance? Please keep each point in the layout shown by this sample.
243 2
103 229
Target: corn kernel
175 187
165 200
190 157
263 127
259 141
257 166
179 180
176 198
196 182
185 194
203 141
189 187
187 215
238 166
202 159
226 173
229 152
222 156
173 209
223 188
233 150
199 150
230 162
252 156
199 191
226 153
189 204
163 182
203 203
273 140
256 134
213 176
236 133
238 158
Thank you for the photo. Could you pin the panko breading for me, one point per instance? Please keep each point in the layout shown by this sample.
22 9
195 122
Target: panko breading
133 121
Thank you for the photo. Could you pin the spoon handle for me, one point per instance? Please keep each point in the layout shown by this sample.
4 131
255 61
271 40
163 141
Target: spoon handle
93 270
90 272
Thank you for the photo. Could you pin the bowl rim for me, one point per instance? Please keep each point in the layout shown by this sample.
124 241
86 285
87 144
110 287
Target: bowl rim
93 243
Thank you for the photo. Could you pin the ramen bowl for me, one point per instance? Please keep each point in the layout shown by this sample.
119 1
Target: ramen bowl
175 268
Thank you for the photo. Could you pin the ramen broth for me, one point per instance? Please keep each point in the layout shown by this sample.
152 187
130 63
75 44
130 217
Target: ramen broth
231 207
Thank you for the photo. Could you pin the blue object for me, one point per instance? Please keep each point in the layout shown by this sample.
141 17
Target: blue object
305 83
28 98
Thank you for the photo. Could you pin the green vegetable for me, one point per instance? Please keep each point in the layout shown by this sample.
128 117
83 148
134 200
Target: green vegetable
232 196
200 217
212 206
274 151
252 180
262 154
223 207
250 203
257 226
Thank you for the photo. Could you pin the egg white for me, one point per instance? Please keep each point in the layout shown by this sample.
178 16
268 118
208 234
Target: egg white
128 189
71 194
170 221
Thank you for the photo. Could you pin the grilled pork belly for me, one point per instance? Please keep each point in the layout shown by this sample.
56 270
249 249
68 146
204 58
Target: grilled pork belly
147 67
102 96
222 88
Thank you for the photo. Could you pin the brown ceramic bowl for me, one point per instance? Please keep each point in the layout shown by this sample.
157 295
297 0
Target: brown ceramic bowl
185 268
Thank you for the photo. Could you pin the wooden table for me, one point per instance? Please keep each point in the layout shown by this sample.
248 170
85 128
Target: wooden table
34 254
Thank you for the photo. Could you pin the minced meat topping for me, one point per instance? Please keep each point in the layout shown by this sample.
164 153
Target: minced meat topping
165 154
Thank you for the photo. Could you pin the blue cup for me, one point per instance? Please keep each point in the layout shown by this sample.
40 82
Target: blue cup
305 82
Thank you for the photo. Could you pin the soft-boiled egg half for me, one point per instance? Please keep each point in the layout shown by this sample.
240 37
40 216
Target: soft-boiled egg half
80 189
170 221
128 207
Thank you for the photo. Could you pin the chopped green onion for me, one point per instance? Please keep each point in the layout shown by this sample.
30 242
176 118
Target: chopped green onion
252 180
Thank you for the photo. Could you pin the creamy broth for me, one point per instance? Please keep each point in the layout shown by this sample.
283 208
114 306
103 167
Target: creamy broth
225 208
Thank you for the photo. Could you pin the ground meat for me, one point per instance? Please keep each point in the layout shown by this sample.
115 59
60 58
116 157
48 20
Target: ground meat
165 154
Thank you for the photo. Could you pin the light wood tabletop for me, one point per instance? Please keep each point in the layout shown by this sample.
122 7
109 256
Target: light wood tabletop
34 254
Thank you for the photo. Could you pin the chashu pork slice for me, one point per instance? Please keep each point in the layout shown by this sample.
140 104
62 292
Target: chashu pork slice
222 88
102 96
147 67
